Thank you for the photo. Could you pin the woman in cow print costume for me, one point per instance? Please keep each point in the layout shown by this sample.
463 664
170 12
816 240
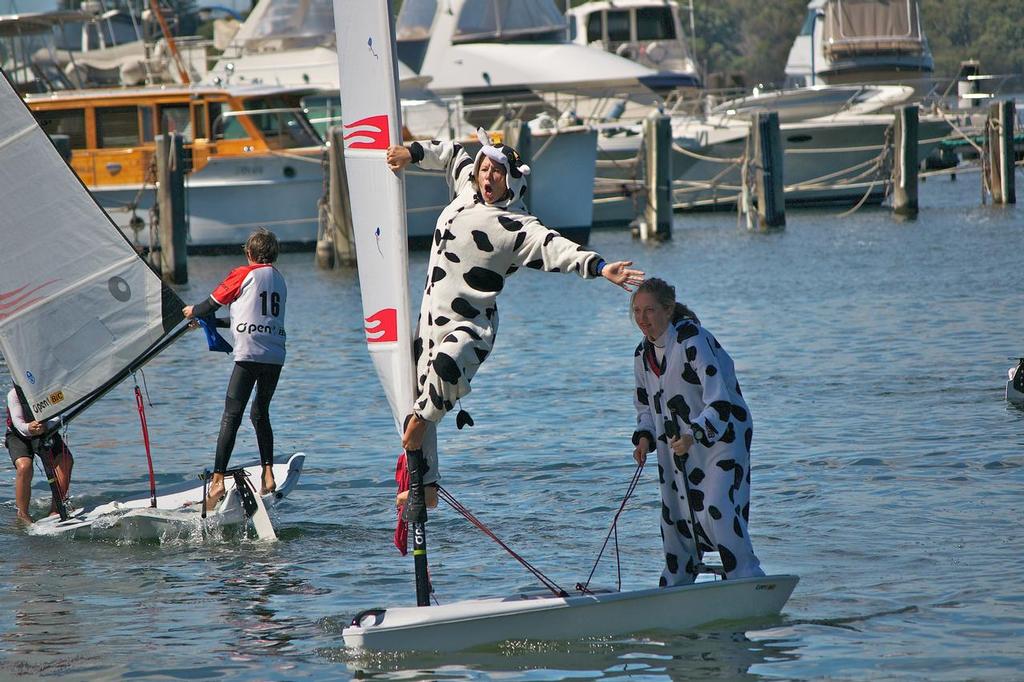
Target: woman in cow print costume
483 236
689 408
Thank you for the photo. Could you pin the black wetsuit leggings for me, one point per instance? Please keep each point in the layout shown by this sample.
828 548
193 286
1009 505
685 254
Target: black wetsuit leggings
246 375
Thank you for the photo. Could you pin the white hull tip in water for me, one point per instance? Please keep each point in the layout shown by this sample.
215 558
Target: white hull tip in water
1015 383
468 624
178 511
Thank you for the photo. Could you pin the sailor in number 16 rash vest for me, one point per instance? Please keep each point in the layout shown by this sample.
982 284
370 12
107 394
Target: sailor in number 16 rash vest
256 293
483 236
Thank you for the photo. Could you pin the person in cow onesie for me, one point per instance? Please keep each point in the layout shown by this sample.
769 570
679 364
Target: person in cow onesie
257 295
689 408
484 235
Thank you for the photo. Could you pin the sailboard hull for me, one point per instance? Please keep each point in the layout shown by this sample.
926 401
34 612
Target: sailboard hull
468 624
178 511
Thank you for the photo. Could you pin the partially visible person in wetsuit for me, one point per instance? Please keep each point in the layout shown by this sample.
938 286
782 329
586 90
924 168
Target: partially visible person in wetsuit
257 294
23 439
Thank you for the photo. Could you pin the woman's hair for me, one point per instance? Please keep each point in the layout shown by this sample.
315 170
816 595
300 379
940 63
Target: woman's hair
262 246
665 294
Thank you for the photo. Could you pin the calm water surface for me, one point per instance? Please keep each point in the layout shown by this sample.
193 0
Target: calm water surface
887 471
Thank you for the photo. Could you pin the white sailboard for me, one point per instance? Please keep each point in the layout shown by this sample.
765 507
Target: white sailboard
178 511
79 309
371 118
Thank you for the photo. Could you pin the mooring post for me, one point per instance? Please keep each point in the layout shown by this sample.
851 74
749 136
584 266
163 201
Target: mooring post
768 180
657 221
170 179
1000 158
336 245
904 167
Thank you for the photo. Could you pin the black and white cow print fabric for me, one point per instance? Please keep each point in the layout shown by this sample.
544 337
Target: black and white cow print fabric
475 247
692 386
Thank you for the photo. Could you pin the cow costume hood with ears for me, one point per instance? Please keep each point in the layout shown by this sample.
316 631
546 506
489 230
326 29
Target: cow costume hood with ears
515 170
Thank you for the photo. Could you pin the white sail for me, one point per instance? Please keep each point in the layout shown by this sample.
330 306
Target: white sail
371 119
77 304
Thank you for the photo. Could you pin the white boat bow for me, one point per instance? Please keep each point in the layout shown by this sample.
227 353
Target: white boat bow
472 623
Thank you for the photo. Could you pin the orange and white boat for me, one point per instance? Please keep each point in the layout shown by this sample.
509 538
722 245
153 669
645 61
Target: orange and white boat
256 159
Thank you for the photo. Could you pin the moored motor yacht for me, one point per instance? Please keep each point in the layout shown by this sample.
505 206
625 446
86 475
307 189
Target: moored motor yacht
293 43
648 32
256 160
859 41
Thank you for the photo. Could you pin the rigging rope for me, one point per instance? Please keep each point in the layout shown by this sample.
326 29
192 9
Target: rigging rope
468 515
584 587
145 438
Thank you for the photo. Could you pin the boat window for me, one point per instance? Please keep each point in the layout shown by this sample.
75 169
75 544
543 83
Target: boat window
215 110
303 22
618 26
594 32
70 122
199 116
176 118
92 37
118 30
415 19
482 20
808 27
655 23
282 125
117 126
146 116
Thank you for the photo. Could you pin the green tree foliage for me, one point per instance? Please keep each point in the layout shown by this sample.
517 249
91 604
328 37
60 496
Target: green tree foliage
753 37
991 31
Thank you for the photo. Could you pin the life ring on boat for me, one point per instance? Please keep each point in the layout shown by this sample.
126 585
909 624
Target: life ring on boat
627 50
656 52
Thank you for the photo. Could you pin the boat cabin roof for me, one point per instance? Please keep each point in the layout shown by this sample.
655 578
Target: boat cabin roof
159 91
483 20
600 5
12 25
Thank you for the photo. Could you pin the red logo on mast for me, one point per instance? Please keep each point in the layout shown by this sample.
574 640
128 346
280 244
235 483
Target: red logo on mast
382 326
373 133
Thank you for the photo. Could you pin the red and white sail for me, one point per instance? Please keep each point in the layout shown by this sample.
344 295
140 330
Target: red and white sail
78 307
372 122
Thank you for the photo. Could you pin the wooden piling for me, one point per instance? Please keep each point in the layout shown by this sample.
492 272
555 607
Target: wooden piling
768 179
173 231
999 161
336 245
904 167
657 221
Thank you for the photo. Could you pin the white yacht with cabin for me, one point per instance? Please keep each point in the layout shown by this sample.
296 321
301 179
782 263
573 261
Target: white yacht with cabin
293 43
859 41
649 32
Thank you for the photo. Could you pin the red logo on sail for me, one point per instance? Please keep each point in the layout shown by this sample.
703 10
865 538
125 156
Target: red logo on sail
372 133
382 326
19 299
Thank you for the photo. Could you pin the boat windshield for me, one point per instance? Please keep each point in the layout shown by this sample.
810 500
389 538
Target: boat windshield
415 19
312 21
509 20
809 21
655 23
282 125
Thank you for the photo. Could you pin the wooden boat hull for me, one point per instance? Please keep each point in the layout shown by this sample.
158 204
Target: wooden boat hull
468 624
